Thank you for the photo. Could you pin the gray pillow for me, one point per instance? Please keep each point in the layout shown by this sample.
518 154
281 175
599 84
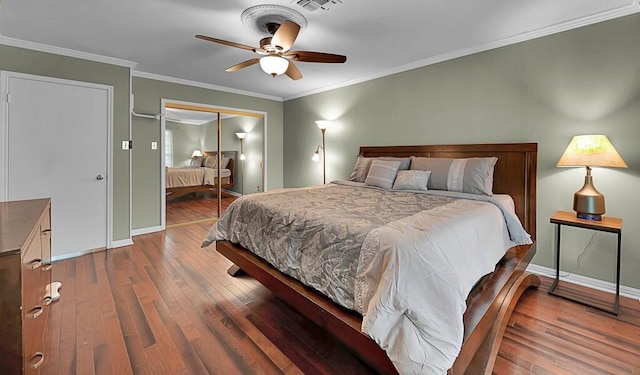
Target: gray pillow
472 175
225 162
411 180
361 169
382 173
210 162
196 162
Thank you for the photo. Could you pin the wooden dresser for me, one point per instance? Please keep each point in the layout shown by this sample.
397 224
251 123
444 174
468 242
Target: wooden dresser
25 272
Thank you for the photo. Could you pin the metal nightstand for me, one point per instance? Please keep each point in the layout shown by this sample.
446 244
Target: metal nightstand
607 224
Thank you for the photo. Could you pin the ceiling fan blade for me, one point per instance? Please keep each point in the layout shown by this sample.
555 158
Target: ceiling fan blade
293 72
318 57
286 34
225 42
243 64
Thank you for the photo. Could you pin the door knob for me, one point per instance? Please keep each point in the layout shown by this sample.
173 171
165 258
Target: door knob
99 177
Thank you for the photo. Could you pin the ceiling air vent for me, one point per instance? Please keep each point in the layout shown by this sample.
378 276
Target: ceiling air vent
312 5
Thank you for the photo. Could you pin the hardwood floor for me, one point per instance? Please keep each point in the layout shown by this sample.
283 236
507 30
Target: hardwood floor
194 207
166 306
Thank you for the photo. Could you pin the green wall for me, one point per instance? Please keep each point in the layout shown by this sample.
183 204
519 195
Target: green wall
249 180
46 64
146 194
186 138
544 90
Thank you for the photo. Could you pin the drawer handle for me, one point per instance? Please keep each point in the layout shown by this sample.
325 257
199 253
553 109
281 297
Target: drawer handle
47 300
36 312
35 264
37 364
46 267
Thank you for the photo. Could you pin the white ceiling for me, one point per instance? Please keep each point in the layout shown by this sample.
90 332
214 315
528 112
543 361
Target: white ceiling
190 117
378 38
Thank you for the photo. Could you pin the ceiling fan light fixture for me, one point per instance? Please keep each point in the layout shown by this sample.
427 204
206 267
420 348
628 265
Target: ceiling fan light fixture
274 65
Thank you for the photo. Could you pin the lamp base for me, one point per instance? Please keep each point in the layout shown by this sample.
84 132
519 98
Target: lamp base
580 215
588 203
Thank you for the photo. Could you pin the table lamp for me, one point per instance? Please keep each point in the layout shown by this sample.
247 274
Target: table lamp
590 151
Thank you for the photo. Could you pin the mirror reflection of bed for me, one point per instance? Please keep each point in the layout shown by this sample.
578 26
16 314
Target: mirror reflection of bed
191 191
191 141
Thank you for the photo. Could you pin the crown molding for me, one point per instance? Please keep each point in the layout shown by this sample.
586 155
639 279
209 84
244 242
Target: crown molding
631 8
65 52
180 81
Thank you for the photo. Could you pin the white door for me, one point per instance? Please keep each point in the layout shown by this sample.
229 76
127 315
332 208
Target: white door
57 137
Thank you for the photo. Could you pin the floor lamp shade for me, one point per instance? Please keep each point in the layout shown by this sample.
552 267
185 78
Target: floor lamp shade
590 151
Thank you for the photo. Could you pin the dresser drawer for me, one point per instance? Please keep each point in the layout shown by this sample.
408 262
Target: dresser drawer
25 257
33 327
33 290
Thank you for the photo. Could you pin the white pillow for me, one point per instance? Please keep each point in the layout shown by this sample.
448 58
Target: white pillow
382 173
412 180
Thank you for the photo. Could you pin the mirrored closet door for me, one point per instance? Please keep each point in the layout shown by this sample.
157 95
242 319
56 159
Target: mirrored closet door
206 148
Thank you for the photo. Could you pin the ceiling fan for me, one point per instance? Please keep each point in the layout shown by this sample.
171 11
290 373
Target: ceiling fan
275 50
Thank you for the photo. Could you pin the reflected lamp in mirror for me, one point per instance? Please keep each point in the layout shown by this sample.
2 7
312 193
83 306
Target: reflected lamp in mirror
196 153
590 151
241 136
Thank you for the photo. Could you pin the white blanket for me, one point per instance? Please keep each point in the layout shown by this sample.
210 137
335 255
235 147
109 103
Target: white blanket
414 277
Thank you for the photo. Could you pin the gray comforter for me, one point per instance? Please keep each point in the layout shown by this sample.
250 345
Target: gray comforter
315 234
405 260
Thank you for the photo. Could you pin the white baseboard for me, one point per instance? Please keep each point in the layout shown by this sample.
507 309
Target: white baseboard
56 258
114 244
137 232
121 243
231 192
588 282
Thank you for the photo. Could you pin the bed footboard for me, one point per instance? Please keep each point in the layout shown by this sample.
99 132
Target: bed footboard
489 307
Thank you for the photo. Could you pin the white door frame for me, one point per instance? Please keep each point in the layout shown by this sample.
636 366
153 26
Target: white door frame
5 76
163 104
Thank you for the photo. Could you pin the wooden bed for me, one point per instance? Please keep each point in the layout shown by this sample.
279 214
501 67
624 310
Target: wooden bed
227 182
490 303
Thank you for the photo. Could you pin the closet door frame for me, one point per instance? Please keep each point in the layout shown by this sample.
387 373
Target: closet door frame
170 103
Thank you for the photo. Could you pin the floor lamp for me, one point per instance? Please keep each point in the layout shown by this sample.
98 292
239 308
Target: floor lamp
322 125
241 136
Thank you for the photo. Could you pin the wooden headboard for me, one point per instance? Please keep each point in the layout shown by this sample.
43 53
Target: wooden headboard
515 172
226 154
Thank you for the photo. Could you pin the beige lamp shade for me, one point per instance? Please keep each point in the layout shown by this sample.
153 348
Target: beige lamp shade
591 151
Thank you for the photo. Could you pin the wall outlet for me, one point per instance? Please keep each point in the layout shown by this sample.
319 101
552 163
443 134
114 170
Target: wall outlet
154 145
